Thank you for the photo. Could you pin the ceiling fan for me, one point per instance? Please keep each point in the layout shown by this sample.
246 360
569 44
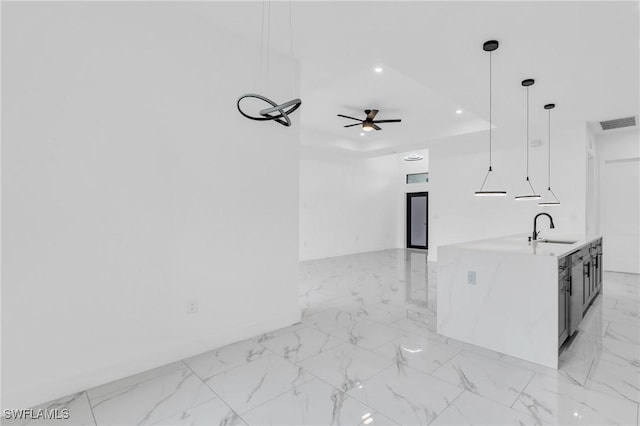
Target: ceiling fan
369 123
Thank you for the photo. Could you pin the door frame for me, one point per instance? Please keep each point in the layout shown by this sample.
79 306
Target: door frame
411 195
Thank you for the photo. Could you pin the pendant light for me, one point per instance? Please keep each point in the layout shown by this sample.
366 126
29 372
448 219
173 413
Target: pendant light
553 199
273 112
489 46
528 195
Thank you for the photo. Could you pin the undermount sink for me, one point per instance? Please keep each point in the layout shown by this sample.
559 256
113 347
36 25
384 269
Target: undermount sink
547 241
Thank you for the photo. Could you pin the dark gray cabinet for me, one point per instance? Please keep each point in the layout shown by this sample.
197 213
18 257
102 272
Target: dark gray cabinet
580 275
578 287
564 269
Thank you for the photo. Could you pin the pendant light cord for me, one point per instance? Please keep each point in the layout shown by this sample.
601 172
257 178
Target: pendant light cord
549 161
295 79
527 140
264 47
268 39
490 108
261 77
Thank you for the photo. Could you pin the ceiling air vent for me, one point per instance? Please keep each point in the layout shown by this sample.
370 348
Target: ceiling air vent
618 123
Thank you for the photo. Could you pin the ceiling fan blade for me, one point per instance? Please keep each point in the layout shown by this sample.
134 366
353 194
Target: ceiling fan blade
377 127
388 121
371 113
351 125
346 116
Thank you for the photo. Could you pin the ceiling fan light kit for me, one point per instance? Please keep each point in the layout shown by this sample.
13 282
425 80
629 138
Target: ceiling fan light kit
489 46
413 157
528 195
553 199
369 123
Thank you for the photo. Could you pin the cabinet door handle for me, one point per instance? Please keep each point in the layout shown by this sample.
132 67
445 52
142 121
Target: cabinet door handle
570 289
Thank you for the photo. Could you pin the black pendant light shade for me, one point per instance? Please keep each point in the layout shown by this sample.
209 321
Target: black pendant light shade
552 198
528 195
489 46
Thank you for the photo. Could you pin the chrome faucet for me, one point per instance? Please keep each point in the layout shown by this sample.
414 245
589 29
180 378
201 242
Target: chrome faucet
535 224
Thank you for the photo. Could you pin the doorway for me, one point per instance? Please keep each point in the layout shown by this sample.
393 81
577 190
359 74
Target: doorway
417 220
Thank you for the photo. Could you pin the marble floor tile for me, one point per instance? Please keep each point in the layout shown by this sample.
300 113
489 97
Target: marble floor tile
79 413
620 351
368 334
423 316
471 409
624 332
622 286
345 303
607 301
623 312
615 379
210 413
407 396
135 379
151 400
468 347
381 313
416 327
576 364
209 364
279 332
418 353
631 306
593 322
301 344
489 378
330 320
345 366
249 385
551 401
313 403
532 366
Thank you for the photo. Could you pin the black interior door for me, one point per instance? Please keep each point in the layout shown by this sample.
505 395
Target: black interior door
417 220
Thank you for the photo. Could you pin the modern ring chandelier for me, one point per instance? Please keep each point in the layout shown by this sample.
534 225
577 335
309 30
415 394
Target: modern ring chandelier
277 112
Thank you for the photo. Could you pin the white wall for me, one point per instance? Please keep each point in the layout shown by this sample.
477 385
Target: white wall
619 149
130 185
592 201
345 206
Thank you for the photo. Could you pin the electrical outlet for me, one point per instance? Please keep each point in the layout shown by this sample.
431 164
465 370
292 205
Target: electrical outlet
471 277
192 306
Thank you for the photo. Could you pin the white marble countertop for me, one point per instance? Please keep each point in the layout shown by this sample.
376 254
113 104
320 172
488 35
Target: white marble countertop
519 244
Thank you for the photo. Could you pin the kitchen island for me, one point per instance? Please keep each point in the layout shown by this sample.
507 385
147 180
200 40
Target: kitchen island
517 297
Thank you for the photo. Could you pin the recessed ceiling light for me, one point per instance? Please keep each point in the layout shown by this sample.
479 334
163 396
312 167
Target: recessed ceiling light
413 157
458 111
361 134
378 69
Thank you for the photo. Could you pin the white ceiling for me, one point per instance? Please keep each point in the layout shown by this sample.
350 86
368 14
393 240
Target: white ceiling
583 55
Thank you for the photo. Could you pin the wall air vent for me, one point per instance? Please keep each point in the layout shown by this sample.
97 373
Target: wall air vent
618 123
